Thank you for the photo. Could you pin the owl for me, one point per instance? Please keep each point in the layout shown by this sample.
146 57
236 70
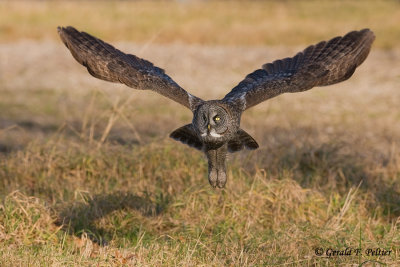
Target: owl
215 128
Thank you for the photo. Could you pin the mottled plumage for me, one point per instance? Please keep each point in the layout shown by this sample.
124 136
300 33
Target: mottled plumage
215 128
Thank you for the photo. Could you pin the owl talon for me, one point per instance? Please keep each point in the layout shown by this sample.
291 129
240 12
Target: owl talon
221 179
217 178
213 177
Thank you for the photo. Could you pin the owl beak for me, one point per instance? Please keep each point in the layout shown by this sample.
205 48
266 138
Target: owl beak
208 126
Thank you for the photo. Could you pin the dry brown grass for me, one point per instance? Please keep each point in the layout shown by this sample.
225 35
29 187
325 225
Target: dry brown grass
200 22
75 193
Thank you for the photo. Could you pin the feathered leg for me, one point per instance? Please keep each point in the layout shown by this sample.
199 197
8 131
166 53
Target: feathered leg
216 165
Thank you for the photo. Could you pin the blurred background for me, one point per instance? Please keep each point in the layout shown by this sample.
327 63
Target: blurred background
95 157
206 46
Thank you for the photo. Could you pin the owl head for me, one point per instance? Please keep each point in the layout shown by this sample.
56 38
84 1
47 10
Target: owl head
212 122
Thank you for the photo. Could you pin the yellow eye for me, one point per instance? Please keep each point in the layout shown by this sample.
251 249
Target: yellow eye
217 118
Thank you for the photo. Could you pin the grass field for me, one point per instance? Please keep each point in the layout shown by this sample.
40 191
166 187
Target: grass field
88 175
195 22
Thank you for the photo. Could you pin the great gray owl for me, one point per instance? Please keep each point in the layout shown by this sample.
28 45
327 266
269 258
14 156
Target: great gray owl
215 128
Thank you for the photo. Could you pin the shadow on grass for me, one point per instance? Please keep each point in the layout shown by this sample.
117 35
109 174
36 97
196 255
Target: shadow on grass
332 164
78 218
26 131
328 166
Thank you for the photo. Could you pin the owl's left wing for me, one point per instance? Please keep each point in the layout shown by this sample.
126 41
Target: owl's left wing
105 62
318 65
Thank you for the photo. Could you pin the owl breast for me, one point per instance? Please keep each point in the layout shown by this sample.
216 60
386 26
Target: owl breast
214 123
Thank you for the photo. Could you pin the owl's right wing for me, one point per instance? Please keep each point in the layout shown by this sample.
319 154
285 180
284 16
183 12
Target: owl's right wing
318 65
105 62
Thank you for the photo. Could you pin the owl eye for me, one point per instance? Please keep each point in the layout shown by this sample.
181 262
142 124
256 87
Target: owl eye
217 118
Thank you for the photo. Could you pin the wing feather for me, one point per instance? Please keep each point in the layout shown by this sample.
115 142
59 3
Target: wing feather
325 63
105 62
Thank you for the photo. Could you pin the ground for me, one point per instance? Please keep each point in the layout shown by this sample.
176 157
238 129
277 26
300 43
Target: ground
88 175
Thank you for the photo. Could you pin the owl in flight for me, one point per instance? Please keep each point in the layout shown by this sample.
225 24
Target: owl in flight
215 128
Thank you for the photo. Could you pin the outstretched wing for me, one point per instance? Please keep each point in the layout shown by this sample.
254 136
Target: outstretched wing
318 65
105 62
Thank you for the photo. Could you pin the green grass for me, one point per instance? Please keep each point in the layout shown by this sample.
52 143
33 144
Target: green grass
169 214
69 200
